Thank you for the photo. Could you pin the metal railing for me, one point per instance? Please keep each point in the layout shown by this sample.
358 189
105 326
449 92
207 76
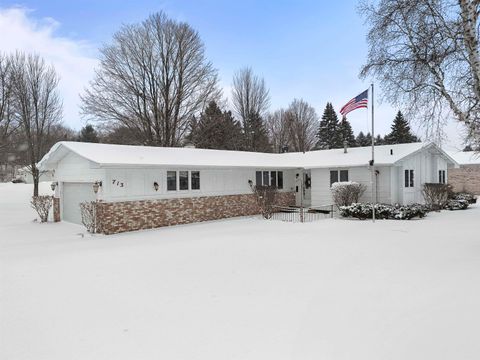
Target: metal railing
301 214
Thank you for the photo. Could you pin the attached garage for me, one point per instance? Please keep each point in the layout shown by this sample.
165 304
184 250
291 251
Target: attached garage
73 195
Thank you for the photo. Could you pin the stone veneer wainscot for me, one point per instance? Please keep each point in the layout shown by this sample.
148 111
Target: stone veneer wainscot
117 217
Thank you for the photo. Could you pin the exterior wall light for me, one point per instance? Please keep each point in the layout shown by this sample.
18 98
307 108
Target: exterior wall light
53 185
155 186
96 185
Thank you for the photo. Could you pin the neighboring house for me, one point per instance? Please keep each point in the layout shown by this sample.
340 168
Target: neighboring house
467 176
142 187
25 174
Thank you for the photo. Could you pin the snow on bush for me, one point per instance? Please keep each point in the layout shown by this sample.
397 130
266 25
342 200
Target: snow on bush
472 199
382 211
42 205
345 193
453 204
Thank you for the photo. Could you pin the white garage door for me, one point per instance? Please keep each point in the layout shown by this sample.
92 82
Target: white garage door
73 195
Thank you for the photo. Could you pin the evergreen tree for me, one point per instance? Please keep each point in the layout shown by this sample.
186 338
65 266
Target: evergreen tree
255 134
379 140
368 139
216 129
363 140
329 136
346 132
88 134
360 139
400 132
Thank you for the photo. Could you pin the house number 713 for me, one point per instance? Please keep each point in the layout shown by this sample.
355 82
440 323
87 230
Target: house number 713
118 183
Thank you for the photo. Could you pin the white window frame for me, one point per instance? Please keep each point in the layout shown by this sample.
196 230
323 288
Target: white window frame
338 175
409 177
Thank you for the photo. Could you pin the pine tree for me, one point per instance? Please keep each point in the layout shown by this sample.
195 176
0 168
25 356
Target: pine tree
329 136
360 139
400 132
88 134
216 129
255 134
368 139
346 132
379 140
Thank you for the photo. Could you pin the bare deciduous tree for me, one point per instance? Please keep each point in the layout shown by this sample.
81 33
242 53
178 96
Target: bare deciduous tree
426 55
38 107
278 130
7 124
153 78
250 95
302 123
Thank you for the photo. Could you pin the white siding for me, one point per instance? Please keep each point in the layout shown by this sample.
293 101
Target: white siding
321 194
137 183
74 168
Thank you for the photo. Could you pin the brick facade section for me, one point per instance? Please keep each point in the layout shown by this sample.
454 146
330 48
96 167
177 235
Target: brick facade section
56 209
117 217
466 178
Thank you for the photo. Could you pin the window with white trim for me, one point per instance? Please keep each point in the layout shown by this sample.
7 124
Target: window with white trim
338 175
171 180
269 178
409 178
183 180
441 176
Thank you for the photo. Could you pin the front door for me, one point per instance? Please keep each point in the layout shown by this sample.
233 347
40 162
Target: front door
303 188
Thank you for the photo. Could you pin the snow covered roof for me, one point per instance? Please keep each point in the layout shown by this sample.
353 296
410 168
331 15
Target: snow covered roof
466 157
107 155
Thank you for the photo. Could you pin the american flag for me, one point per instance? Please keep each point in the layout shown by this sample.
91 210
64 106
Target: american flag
360 101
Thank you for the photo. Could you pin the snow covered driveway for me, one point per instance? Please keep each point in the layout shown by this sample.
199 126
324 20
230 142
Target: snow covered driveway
240 289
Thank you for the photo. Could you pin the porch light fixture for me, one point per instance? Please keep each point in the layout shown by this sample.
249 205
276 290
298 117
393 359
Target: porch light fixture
96 185
53 185
155 186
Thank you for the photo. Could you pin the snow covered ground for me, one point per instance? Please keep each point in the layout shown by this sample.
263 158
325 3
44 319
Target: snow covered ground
240 289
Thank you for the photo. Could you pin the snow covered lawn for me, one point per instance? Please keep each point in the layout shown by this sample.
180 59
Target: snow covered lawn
240 289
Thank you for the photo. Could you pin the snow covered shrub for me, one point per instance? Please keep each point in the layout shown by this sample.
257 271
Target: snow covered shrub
42 205
347 192
472 199
266 197
88 210
383 211
453 204
436 195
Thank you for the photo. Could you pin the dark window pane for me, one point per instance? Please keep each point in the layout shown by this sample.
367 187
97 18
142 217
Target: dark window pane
440 176
406 178
280 180
308 181
333 177
266 176
171 180
183 179
195 180
343 175
258 178
411 178
273 178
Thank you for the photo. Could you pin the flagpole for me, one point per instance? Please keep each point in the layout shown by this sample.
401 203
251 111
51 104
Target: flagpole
374 198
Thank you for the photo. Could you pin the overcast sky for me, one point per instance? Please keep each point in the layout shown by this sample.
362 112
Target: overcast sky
303 49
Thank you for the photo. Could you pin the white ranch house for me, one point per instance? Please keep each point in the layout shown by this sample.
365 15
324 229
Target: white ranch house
143 187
